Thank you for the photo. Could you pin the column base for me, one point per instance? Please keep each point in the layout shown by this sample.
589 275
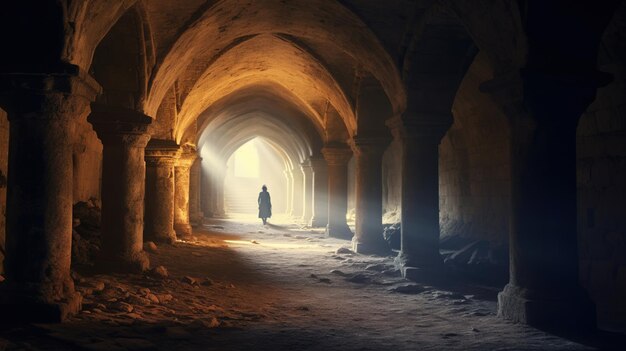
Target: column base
20 305
183 230
167 238
573 310
425 268
197 221
339 232
317 222
379 248
138 264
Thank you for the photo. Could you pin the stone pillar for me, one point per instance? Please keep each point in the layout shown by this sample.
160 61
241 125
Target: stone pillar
337 157
368 236
124 135
195 211
206 193
320 192
218 183
181 194
161 157
42 110
298 192
543 288
307 170
419 255
289 202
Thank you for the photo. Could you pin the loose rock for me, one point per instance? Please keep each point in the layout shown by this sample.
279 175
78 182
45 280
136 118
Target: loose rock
150 247
159 272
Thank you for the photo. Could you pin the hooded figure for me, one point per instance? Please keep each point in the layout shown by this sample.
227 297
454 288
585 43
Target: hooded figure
265 205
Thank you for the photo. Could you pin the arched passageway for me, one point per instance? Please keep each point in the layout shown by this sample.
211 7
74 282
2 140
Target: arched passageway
414 148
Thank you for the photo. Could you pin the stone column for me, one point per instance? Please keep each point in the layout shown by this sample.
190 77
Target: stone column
298 192
320 192
289 202
42 110
195 211
337 157
181 194
419 255
307 170
543 288
124 135
218 183
368 236
206 196
161 157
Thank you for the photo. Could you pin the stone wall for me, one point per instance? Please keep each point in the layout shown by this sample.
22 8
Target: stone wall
87 158
4 160
474 172
601 178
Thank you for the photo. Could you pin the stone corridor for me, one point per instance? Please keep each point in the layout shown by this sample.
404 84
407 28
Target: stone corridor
442 174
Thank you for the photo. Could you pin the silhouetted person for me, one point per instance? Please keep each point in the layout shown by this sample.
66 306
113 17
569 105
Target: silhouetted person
265 205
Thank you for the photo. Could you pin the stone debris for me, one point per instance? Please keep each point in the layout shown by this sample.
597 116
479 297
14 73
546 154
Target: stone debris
150 247
409 289
86 232
138 300
344 251
338 272
153 298
122 307
189 280
378 267
164 298
392 235
207 282
159 272
359 278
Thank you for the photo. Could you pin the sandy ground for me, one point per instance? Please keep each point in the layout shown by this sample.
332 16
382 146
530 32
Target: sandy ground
244 286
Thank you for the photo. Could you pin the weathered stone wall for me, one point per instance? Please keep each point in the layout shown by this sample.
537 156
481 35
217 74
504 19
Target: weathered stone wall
392 182
87 158
4 160
474 173
601 151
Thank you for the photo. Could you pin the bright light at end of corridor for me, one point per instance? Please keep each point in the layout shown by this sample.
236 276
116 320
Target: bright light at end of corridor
246 160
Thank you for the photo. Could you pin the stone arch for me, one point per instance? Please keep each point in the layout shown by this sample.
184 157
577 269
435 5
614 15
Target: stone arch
276 63
311 21
122 61
436 61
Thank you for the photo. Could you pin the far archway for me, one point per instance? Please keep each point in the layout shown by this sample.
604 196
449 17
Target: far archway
252 165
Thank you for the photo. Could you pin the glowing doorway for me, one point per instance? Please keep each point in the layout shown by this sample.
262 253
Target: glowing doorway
252 165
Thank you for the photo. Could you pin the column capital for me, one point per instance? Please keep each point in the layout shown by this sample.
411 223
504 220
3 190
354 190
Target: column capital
371 145
187 157
119 124
318 163
162 152
47 95
307 165
337 154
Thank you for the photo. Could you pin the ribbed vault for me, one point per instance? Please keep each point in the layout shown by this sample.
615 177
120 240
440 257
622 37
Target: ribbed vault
316 50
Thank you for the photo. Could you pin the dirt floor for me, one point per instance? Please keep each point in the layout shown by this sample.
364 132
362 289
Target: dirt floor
244 286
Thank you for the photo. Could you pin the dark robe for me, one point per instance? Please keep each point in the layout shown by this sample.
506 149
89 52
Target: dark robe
265 205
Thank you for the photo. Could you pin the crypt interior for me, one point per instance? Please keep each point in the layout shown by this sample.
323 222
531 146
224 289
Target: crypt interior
444 175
